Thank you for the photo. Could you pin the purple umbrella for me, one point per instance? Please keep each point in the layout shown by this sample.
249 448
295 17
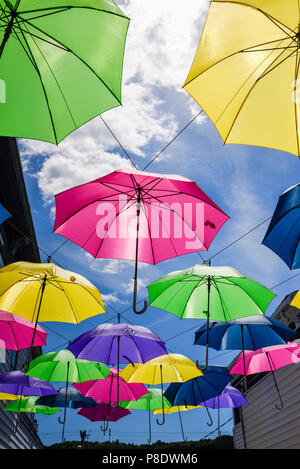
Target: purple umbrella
16 382
118 343
229 399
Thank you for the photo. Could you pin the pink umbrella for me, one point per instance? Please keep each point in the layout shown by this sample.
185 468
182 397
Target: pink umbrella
140 216
103 412
107 391
16 332
267 359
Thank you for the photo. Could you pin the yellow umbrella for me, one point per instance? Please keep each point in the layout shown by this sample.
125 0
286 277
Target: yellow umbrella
9 397
46 292
169 368
245 72
177 409
296 300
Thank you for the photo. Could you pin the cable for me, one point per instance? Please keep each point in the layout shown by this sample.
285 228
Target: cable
287 280
214 431
174 138
119 143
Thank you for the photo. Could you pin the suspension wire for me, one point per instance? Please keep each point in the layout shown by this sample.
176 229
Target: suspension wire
119 143
240 238
285 281
171 141
59 247
214 431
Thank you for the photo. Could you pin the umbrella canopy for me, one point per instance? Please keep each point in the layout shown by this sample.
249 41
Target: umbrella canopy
176 408
8 397
195 391
112 390
249 333
232 295
118 343
174 367
244 72
267 359
63 366
16 382
283 234
230 398
72 397
142 217
46 292
16 332
296 300
4 214
43 46
150 401
29 404
103 413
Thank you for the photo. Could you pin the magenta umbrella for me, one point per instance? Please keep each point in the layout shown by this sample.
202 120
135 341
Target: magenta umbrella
103 412
16 332
267 359
107 389
140 216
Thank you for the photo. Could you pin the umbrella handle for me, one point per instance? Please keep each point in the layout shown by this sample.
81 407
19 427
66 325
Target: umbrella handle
181 426
162 399
163 420
61 421
104 428
134 301
136 262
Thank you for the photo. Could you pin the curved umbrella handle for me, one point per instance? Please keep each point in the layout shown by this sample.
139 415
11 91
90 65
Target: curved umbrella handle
181 426
136 275
134 301
104 428
61 421
162 399
163 420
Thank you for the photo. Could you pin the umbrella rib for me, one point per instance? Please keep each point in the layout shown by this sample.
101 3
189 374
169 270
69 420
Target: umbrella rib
264 74
71 7
42 85
149 230
250 295
77 56
221 299
85 288
70 303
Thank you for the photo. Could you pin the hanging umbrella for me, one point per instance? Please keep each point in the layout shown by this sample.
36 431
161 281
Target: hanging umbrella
16 332
43 47
267 359
150 401
17 383
103 412
144 218
296 300
168 368
63 366
245 70
197 390
46 292
229 399
283 234
177 409
206 292
4 214
250 333
4 396
112 389
29 404
70 397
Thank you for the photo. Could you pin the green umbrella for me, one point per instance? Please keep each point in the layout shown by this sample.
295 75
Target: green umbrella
63 366
28 404
206 292
150 401
61 65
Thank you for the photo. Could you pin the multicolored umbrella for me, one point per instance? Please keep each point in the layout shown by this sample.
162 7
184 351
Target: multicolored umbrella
150 401
46 292
135 215
4 214
16 332
168 368
70 397
29 404
113 389
267 359
43 46
63 366
205 292
283 234
196 391
245 70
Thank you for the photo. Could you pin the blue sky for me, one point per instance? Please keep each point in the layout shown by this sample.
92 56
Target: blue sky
244 181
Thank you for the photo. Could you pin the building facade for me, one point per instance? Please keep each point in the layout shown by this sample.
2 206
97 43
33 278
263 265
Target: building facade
262 423
17 243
